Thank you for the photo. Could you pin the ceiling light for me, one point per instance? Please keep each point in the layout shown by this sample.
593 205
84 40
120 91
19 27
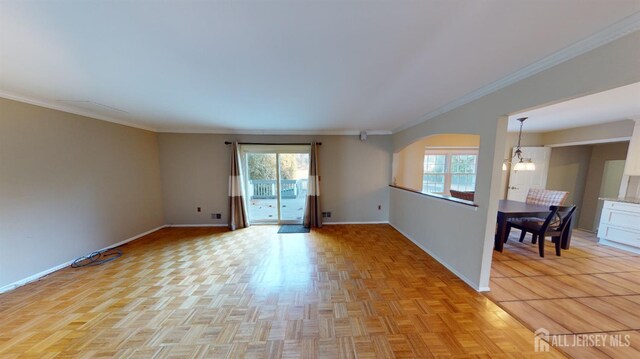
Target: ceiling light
523 164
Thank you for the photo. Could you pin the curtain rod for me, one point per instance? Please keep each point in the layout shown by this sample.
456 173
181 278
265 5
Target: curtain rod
275 144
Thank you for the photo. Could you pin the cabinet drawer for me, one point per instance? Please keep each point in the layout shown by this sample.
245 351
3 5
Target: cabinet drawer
622 206
620 219
620 235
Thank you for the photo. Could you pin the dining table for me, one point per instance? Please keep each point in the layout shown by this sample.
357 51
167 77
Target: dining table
508 209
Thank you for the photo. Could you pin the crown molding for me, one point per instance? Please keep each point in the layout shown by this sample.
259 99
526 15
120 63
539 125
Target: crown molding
590 142
276 132
75 111
72 110
624 27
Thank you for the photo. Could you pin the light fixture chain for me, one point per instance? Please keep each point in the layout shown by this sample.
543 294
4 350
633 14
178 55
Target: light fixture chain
520 133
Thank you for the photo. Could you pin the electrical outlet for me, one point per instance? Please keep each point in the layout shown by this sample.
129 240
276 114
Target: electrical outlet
216 215
199 209
379 207
326 214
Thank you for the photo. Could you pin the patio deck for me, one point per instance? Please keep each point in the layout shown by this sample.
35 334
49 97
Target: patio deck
266 209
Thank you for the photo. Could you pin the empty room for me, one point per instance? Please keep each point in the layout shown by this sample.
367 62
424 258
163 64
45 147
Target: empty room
319 179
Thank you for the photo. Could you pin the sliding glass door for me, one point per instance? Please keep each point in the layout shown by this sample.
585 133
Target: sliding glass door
262 177
294 173
276 183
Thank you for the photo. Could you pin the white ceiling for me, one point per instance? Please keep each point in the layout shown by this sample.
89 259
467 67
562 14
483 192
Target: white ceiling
614 105
283 67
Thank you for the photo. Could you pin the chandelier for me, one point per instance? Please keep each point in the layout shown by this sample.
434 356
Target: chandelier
522 164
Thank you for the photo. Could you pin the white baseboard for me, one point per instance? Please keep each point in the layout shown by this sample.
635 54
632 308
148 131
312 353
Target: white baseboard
134 237
371 222
451 269
198 225
32 278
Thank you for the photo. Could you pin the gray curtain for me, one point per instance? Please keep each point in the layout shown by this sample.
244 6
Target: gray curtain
313 213
237 211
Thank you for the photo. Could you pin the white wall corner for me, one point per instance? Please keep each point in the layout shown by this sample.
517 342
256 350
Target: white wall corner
495 193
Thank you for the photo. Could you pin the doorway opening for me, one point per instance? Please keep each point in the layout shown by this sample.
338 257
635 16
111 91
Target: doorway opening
276 182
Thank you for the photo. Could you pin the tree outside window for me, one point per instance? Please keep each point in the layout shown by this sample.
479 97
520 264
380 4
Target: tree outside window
262 166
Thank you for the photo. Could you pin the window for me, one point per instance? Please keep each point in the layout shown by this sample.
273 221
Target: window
463 172
434 173
445 170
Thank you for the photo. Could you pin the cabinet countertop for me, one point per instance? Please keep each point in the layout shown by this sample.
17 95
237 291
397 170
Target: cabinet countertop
625 199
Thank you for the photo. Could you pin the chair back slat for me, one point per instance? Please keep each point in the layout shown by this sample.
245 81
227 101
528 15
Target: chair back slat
552 213
565 214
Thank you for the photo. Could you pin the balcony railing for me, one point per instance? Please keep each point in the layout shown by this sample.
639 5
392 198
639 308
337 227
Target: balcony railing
266 189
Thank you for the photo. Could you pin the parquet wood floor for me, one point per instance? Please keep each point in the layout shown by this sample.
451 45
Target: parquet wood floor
589 289
339 292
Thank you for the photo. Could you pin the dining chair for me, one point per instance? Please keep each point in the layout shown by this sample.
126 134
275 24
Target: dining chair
543 197
549 228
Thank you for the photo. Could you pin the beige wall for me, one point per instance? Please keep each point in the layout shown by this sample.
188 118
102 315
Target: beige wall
70 185
354 175
568 168
408 166
632 167
461 237
589 216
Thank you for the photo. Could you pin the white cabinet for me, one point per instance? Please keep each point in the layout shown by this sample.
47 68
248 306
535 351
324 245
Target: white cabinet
620 225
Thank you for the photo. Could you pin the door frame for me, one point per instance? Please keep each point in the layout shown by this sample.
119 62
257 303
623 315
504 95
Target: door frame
276 149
